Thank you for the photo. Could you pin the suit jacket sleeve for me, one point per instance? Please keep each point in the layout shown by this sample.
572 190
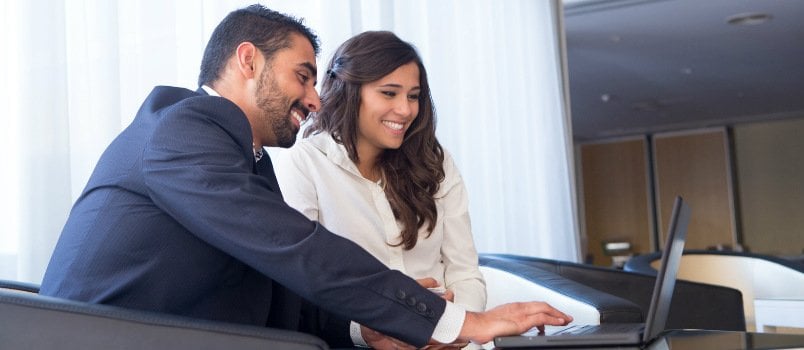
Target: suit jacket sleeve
333 329
198 167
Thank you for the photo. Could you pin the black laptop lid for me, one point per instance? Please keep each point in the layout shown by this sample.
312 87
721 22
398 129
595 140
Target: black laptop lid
627 334
666 278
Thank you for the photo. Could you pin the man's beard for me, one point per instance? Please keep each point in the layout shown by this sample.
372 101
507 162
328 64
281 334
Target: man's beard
276 110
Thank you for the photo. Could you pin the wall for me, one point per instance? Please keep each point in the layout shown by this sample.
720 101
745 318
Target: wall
616 197
769 160
744 185
695 164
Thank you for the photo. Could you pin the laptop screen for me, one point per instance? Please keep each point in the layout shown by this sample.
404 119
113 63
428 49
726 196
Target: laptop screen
623 334
666 278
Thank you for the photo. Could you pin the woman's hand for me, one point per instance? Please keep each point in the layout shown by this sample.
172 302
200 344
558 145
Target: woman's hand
432 284
377 340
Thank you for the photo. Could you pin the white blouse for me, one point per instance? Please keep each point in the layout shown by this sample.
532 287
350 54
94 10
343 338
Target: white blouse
317 178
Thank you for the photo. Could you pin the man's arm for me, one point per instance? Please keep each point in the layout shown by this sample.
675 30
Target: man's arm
482 327
199 171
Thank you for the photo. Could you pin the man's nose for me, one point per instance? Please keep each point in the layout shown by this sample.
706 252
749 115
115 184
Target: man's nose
312 101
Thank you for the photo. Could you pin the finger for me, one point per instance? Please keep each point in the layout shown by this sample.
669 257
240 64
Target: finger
538 307
545 319
428 282
559 315
449 295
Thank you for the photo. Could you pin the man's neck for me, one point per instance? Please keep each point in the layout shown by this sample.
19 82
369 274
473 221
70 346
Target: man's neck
210 91
257 149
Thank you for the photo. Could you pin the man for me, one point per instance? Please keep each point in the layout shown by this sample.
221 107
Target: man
183 213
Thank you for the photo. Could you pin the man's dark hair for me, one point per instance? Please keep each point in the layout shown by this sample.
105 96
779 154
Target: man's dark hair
268 30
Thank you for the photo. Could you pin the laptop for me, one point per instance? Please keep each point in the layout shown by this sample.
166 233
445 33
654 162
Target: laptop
615 334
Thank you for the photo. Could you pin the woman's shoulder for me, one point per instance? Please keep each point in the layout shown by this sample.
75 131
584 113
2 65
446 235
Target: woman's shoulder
319 148
452 175
314 145
301 153
450 168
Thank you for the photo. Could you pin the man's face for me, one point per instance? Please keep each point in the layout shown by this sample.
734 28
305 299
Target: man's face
285 93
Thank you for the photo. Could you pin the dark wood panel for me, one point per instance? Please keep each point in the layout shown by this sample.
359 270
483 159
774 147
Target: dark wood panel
696 166
770 169
615 196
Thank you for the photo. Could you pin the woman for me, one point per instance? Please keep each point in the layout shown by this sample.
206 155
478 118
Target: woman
370 168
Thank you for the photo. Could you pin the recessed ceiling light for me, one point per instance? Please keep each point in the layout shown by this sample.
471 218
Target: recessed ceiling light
748 19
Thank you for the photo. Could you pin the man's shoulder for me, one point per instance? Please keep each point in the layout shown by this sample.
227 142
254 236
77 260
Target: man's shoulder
184 107
164 96
170 97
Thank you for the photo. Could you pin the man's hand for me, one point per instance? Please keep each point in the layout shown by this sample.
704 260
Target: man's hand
510 319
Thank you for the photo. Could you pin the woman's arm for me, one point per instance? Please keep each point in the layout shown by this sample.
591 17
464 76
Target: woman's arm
458 252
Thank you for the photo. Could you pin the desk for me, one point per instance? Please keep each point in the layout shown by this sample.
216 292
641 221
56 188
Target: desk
779 315
717 340
689 340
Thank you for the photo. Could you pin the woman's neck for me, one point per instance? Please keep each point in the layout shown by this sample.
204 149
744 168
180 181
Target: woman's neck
367 162
369 169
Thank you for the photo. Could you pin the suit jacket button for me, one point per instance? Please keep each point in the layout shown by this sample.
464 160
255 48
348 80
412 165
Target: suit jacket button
400 294
411 301
421 308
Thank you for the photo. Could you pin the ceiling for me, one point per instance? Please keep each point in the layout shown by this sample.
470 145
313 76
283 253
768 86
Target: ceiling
640 67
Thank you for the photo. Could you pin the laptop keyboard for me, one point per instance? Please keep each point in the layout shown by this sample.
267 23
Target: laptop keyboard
601 328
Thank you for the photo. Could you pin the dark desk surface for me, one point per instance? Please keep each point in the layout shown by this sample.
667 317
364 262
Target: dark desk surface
684 340
716 340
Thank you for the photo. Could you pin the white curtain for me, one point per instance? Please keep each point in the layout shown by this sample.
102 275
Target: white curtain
74 72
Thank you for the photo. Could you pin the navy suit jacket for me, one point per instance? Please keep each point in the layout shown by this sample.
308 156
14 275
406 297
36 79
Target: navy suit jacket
177 217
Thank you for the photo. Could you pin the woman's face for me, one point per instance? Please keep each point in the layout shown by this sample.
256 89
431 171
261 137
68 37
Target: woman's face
387 108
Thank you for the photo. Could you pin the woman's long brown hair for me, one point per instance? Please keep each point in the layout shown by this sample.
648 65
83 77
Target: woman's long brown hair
411 173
